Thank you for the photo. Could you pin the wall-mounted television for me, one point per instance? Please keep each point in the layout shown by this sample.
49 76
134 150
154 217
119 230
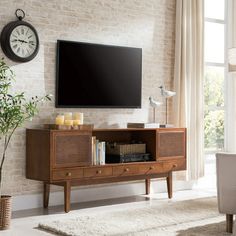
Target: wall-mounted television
98 76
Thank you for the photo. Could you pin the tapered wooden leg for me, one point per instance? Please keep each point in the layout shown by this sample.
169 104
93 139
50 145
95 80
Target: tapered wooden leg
46 191
147 185
67 190
229 223
169 184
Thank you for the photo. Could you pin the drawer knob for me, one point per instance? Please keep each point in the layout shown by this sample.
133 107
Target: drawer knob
68 174
99 172
151 168
126 169
175 165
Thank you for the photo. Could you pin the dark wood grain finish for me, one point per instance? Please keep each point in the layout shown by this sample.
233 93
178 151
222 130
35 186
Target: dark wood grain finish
116 135
111 179
63 157
169 184
97 172
38 147
67 174
171 144
151 168
67 194
229 223
174 165
72 149
126 170
147 186
46 191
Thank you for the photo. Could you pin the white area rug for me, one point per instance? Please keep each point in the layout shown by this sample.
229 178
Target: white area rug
197 217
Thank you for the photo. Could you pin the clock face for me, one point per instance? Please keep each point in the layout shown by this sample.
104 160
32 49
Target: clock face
19 41
23 41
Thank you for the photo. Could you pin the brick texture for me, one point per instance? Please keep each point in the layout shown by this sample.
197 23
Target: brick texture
137 23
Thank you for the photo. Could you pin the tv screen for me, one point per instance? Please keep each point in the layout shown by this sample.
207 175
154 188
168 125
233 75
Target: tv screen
98 76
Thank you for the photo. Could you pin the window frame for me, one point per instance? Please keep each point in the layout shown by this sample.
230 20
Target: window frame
223 65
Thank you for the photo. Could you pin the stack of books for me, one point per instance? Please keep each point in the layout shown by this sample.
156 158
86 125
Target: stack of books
143 125
98 152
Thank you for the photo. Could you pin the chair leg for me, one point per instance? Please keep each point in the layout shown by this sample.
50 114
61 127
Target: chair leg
229 223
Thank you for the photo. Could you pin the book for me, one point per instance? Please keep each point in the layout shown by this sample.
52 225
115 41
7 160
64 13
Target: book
167 126
98 152
93 150
103 153
143 125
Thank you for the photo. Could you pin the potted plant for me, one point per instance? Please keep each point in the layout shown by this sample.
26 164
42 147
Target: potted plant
15 109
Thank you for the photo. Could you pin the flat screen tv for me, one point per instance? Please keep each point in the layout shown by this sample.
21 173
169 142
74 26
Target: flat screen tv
98 76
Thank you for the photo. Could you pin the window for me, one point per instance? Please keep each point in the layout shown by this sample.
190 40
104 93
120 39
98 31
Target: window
215 24
215 65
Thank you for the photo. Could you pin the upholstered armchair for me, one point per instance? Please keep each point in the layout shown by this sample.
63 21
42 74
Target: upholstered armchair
226 186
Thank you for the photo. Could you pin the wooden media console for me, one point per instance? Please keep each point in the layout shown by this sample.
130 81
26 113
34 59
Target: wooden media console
63 157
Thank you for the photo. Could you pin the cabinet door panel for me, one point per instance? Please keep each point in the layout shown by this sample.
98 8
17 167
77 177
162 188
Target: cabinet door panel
72 149
171 144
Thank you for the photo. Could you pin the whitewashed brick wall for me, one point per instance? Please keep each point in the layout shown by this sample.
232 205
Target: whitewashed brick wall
149 24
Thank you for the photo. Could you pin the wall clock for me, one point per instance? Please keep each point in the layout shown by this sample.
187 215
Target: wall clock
19 39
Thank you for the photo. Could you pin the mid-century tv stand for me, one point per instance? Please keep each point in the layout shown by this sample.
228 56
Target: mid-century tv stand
63 157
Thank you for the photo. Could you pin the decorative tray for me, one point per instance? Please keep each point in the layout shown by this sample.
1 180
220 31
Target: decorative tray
69 127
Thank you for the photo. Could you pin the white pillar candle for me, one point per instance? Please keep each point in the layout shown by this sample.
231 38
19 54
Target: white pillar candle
68 115
79 116
69 122
76 122
59 120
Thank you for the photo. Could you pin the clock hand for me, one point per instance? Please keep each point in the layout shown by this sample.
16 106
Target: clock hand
22 41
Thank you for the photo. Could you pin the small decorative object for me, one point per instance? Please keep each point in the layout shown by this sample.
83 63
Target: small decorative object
19 39
232 59
14 111
69 127
154 104
166 94
79 116
60 120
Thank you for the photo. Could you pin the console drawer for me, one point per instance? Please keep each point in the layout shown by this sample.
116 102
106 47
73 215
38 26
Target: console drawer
151 168
141 169
174 165
97 172
126 170
67 174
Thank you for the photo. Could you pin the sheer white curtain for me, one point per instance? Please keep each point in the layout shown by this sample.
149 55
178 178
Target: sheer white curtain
188 81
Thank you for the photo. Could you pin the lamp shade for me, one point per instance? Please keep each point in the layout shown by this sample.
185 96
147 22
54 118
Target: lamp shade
232 59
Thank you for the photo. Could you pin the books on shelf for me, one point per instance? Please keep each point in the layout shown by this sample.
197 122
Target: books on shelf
143 125
98 152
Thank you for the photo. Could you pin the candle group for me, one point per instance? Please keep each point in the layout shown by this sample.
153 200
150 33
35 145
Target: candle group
70 119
